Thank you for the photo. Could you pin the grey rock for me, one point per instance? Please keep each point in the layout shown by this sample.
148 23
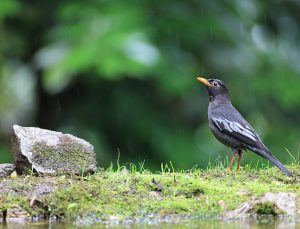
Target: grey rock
6 169
282 203
285 202
43 190
17 212
49 152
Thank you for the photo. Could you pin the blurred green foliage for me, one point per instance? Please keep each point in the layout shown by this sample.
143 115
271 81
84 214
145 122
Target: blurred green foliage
121 74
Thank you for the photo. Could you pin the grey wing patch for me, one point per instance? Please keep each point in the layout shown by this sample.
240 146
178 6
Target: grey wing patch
231 126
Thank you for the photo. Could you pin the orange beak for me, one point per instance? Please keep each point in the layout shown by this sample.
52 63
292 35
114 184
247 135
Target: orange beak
204 81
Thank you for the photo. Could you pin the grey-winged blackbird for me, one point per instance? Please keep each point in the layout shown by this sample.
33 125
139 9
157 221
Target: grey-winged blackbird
230 128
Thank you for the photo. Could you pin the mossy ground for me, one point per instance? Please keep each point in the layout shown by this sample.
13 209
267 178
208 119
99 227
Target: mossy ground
126 193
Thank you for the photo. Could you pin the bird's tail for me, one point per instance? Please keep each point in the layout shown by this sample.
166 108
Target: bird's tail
273 160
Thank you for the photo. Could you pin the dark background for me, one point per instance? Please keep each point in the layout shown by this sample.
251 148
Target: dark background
121 74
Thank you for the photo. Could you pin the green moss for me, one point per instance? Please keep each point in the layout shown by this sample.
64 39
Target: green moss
266 208
66 156
3 202
122 194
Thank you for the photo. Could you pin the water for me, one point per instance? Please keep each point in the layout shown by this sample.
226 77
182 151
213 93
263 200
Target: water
183 225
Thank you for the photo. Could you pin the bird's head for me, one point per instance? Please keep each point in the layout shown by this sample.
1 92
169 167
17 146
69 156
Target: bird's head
214 87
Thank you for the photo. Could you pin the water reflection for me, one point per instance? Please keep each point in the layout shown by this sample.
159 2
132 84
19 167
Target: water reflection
191 224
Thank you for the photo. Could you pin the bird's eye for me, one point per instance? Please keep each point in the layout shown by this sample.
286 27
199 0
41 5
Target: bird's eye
215 84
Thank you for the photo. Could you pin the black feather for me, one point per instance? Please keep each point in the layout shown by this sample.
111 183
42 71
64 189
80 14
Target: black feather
272 159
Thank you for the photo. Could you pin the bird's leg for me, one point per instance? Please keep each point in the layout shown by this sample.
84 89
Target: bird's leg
231 161
239 161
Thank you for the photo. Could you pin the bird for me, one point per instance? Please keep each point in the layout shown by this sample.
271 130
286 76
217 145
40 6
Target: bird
231 128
